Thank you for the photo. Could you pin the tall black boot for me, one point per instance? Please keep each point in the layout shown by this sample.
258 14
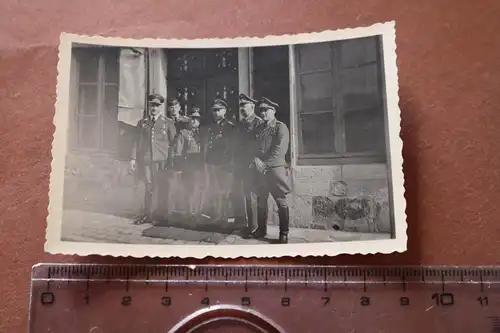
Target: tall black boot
261 230
284 217
148 211
249 213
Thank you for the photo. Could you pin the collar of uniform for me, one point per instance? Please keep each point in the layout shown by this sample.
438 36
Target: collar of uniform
159 116
220 122
250 118
272 123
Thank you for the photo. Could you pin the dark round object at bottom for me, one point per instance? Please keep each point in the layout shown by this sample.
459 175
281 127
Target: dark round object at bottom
226 319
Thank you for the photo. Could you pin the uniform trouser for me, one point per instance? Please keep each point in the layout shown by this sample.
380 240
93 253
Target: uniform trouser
155 187
193 186
244 193
220 185
275 182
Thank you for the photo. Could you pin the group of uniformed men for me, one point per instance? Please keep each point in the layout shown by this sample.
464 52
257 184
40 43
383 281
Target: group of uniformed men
238 161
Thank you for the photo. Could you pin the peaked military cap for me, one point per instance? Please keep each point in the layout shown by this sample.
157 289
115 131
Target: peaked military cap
266 103
245 99
219 104
173 102
195 113
156 98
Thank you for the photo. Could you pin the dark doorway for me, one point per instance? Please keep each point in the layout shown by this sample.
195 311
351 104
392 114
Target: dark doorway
271 79
197 77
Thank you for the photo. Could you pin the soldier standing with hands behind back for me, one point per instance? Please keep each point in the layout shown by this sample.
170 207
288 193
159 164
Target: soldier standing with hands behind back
273 139
152 153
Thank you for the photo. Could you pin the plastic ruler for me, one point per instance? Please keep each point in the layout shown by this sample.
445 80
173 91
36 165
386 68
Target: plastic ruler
263 298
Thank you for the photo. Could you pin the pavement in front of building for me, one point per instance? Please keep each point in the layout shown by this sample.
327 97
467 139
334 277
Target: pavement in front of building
82 226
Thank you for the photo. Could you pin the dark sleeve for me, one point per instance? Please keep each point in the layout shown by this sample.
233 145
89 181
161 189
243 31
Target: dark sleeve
279 145
172 132
135 143
232 142
179 144
203 142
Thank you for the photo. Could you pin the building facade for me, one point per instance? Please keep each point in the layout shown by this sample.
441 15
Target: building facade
331 97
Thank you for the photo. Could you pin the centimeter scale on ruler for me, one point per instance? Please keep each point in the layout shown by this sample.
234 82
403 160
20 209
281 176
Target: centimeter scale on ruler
355 295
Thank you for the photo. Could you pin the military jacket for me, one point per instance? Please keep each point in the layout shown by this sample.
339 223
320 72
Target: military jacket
154 140
273 140
181 123
246 140
218 143
188 142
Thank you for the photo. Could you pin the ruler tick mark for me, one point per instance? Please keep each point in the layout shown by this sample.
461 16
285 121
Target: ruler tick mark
206 280
49 277
286 279
166 280
325 286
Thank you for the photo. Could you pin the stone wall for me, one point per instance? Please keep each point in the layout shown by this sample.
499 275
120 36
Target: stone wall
348 197
102 184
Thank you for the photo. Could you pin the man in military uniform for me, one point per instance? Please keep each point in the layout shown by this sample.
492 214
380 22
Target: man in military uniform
273 139
190 161
218 155
245 177
174 112
152 153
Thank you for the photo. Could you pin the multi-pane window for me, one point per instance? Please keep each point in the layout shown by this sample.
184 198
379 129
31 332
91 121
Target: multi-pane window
197 76
340 102
97 105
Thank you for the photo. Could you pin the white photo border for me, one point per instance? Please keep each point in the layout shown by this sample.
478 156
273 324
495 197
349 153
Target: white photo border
55 245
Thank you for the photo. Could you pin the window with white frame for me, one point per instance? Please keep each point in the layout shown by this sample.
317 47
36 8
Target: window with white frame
97 101
340 102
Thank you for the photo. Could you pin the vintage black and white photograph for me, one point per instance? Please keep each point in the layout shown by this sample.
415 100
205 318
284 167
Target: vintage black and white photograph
246 147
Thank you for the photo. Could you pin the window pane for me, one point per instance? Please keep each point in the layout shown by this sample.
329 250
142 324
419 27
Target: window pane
365 131
110 117
317 133
316 92
358 51
189 93
222 60
111 66
270 58
277 89
313 57
225 87
88 99
111 99
89 65
185 62
360 87
89 132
